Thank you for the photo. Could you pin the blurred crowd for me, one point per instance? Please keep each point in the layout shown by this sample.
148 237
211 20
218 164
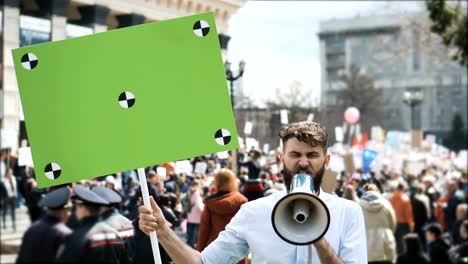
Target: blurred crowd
409 218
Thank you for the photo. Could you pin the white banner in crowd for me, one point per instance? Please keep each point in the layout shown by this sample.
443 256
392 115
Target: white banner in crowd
430 139
161 171
336 163
339 134
248 128
241 142
251 143
183 166
284 117
274 169
223 155
461 160
376 133
9 138
25 157
266 148
200 167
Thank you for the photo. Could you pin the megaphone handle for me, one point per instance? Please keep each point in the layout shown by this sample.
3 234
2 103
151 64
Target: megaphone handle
309 254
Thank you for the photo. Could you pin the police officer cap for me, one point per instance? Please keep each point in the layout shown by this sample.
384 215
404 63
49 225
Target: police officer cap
107 194
87 196
57 199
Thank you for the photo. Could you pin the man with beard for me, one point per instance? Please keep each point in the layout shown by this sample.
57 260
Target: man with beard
305 151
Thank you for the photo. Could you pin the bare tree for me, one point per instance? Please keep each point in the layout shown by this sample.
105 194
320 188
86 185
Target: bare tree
359 91
297 100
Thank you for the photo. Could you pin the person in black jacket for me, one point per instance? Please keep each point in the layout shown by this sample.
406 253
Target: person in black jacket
419 214
438 248
42 239
93 241
413 251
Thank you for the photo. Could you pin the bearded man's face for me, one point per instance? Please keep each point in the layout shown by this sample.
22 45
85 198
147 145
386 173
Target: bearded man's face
300 157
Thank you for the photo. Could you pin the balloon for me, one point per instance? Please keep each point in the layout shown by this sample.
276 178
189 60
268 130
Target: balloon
351 115
368 156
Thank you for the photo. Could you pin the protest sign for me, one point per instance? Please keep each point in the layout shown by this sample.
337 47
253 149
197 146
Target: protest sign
284 117
248 128
183 166
416 138
94 105
200 167
24 157
349 163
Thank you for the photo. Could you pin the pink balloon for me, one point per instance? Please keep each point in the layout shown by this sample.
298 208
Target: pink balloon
351 115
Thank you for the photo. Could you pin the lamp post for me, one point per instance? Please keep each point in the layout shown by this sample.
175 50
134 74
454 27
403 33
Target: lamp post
413 97
231 77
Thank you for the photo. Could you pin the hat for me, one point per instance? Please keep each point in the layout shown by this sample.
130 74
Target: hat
107 194
87 196
57 199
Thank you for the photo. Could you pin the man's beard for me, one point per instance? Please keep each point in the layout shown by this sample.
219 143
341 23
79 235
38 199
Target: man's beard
317 177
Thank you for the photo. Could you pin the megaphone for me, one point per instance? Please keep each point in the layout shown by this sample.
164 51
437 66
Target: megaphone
301 217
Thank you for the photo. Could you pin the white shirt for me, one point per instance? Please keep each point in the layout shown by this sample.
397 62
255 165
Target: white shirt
251 228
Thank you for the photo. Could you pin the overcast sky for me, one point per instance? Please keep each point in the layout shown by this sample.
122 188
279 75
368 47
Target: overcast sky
278 40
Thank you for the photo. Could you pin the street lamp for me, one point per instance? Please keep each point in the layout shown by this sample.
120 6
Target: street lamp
232 78
413 97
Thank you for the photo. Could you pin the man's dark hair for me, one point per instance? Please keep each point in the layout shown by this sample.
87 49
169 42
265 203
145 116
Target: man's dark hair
435 229
150 174
413 245
93 209
309 132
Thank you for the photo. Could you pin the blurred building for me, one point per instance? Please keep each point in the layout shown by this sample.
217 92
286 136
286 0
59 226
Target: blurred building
400 54
28 22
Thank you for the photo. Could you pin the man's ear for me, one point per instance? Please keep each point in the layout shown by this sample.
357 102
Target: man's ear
281 156
327 160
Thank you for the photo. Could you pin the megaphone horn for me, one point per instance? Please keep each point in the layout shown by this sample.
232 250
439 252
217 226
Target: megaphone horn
301 217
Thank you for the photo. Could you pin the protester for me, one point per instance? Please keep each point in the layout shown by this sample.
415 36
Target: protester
404 215
356 183
413 252
305 150
194 213
33 196
419 213
9 183
462 215
459 254
380 221
41 242
220 208
350 193
438 248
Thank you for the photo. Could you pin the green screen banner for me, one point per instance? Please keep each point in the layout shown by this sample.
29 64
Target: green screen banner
125 99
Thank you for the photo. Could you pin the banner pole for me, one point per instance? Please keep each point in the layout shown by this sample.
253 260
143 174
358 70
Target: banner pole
146 202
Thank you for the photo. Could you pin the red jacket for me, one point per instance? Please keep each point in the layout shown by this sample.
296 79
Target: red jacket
219 209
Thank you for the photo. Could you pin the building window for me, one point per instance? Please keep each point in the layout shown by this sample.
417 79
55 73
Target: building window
416 52
335 43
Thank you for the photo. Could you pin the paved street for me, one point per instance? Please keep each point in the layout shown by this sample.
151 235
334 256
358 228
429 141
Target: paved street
10 240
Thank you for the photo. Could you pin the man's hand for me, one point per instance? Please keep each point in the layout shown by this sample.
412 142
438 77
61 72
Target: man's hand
151 220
